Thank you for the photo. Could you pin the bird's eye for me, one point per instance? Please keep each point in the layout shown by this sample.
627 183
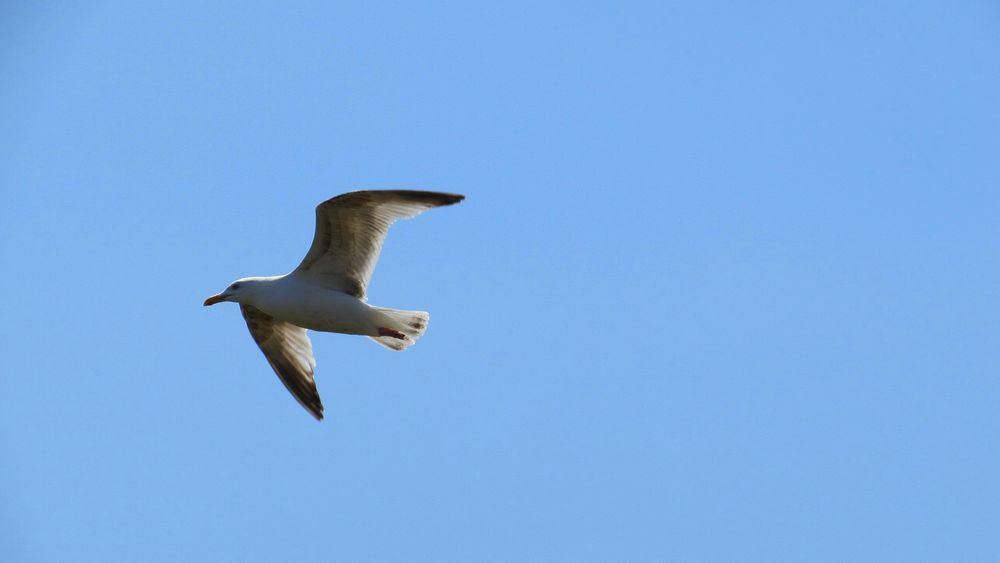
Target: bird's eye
235 286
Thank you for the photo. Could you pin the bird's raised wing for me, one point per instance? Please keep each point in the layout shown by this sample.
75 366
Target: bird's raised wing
350 229
288 350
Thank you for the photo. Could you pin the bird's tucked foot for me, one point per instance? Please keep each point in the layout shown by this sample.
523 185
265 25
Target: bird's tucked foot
382 331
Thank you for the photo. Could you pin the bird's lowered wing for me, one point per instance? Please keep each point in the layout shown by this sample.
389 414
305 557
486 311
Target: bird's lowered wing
350 229
288 350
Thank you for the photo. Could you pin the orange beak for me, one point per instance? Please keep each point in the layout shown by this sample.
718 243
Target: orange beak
215 299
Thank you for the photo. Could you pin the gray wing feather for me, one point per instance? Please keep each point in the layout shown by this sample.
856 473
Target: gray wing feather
350 229
289 351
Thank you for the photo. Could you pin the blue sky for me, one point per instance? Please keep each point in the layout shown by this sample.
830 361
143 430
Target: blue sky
724 287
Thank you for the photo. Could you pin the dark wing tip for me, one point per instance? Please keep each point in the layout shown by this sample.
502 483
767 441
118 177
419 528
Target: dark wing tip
437 199
362 197
441 198
305 392
433 199
454 198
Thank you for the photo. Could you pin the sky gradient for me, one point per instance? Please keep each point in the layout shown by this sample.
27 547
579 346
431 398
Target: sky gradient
724 287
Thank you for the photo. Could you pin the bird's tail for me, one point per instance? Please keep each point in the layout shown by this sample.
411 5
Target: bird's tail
402 328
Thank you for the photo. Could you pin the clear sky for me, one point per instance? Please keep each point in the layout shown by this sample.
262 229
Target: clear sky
724 287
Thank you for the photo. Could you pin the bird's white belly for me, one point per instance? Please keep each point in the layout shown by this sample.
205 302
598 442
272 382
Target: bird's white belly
320 309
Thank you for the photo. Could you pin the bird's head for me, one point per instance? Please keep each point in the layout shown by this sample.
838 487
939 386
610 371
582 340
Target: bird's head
237 292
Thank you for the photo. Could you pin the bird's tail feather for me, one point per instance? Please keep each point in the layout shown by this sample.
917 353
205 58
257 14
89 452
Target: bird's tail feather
402 329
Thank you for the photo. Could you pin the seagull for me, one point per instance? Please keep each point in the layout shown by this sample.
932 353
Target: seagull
326 292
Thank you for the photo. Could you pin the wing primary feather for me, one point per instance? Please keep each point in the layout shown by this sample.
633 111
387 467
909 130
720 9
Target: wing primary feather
350 230
289 352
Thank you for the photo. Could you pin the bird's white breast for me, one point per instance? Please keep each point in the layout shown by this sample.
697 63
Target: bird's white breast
303 304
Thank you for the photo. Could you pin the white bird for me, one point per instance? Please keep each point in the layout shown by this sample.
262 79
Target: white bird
326 292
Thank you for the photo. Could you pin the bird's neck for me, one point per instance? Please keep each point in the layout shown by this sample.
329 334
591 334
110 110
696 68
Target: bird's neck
259 289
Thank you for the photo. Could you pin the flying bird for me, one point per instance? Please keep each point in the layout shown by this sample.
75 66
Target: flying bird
326 292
